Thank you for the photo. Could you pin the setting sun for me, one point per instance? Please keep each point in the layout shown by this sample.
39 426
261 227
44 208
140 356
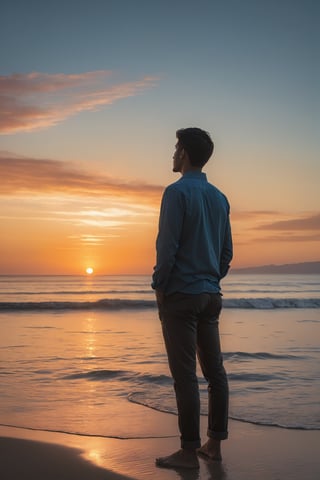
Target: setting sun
89 271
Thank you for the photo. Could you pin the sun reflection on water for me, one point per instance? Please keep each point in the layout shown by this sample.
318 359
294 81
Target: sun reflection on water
90 338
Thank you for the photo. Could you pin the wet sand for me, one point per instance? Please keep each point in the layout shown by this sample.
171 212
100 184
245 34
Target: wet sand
252 453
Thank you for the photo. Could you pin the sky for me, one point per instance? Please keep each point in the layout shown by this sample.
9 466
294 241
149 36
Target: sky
91 95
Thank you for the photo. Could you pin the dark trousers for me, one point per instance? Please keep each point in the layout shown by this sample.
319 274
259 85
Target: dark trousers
190 328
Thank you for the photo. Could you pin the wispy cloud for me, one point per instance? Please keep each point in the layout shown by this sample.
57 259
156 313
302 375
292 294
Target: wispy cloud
292 238
22 176
252 227
305 228
91 240
107 218
36 100
306 222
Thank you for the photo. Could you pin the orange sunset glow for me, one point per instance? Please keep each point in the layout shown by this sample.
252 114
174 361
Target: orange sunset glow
59 219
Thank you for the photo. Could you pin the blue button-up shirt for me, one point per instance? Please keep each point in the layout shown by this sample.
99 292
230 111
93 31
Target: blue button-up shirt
194 243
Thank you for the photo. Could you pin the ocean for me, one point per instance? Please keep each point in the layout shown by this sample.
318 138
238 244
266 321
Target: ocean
78 350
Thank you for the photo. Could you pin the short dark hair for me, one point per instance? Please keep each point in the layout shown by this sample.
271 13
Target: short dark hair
197 143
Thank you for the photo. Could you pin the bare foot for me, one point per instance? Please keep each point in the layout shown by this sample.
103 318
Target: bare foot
180 459
211 449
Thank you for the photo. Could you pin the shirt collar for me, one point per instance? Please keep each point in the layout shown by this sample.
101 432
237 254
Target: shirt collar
194 174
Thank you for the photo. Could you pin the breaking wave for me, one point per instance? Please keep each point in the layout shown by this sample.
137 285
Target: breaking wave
118 304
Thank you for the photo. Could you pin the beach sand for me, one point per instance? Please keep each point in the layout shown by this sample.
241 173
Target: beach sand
252 453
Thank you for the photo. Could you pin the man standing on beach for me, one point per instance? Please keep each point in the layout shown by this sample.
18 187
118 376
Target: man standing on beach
194 250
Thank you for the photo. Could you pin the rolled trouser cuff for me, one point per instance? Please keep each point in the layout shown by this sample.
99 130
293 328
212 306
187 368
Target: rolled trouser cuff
190 445
217 435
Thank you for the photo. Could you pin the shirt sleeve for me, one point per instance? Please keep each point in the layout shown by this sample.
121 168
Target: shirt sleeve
168 239
227 251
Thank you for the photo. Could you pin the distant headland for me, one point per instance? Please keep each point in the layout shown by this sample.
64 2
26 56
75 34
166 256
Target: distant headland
297 268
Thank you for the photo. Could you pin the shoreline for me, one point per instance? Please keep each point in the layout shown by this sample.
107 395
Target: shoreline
252 452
